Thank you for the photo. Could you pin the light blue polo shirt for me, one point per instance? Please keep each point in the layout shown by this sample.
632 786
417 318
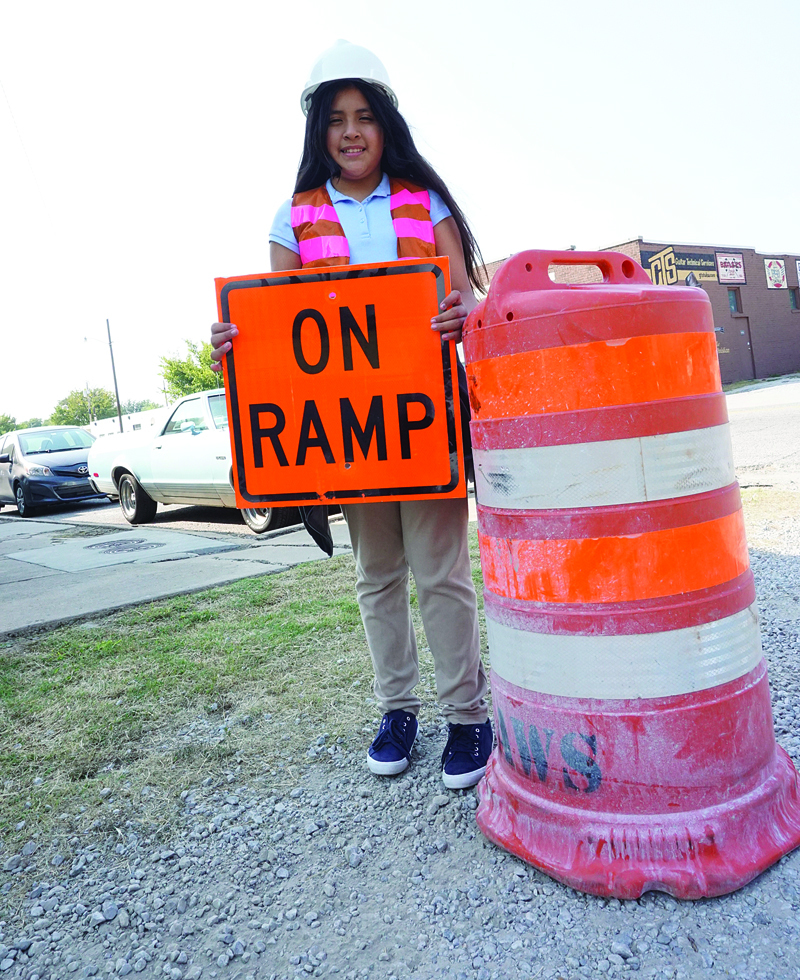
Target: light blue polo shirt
367 224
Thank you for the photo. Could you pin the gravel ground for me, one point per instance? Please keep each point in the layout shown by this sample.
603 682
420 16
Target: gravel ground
341 873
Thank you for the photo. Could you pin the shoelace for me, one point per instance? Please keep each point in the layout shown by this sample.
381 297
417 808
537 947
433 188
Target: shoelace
463 738
393 734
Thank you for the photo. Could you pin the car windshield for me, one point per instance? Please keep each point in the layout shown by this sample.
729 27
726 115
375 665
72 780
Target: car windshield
54 441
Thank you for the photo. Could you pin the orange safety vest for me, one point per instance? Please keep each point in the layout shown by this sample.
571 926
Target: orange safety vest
322 242
321 238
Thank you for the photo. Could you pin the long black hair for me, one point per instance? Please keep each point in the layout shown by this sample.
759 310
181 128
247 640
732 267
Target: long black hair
400 158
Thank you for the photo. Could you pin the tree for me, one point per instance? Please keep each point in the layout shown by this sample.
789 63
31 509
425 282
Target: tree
81 407
132 407
185 377
8 423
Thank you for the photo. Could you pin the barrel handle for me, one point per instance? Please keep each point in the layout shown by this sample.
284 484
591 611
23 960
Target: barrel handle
616 267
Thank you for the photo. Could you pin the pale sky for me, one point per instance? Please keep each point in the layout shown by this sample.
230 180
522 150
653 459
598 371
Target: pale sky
145 147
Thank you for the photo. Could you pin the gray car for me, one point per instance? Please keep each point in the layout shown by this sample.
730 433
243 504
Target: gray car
45 467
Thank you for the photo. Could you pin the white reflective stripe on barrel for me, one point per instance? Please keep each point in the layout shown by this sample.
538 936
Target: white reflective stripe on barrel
643 665
596 474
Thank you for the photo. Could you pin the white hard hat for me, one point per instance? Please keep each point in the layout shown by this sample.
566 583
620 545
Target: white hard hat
346 60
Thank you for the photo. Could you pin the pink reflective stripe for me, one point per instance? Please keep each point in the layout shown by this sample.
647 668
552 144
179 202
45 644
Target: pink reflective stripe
312 214
324 247
411 228
405 196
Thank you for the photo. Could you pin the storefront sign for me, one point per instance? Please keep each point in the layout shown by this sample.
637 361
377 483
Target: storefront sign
669 267
337 387
775 270
730 268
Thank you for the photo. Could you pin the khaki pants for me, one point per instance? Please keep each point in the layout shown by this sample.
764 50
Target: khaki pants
429 537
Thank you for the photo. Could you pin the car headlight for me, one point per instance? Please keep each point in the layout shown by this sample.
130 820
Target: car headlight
38 470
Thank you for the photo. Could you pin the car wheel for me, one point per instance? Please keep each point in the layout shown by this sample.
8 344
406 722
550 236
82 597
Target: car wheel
261 519
24 508
137 506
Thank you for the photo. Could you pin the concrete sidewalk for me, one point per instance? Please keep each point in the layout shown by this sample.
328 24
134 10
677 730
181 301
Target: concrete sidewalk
52 572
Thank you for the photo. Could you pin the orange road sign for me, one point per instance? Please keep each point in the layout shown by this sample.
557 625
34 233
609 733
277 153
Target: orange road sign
337 387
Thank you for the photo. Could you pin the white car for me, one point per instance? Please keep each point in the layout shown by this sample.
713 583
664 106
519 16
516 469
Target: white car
187 462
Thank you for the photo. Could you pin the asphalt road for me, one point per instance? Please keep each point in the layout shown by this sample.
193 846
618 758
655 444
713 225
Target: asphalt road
766 444
171 517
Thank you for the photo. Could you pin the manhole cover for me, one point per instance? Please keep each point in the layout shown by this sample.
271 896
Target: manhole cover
121 547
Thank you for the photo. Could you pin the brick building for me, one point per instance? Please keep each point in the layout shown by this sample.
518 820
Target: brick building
755 299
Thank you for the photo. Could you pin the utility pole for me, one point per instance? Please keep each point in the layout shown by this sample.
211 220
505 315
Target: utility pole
114 372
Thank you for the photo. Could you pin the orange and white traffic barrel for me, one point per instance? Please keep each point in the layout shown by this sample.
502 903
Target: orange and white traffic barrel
635 741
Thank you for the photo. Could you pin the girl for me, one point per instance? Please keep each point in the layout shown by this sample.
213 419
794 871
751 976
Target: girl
364 194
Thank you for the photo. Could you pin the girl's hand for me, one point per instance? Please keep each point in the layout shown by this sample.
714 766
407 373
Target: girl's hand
451 320
221 336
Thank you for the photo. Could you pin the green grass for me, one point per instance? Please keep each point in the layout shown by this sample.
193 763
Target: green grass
256 670
744 385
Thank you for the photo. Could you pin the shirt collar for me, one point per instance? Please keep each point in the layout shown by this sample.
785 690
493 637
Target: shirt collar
382 190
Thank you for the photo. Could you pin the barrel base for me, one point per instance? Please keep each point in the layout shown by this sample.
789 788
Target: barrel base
692 854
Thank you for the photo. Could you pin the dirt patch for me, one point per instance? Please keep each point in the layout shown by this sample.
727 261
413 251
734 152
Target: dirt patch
765 511
87 531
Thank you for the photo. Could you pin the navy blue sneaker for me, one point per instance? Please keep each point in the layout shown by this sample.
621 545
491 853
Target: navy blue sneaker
466 754
390 752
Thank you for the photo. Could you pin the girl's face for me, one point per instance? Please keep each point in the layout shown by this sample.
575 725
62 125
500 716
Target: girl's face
354 139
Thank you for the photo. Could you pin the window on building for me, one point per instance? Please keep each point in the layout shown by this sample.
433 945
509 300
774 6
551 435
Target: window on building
794 298
735 300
